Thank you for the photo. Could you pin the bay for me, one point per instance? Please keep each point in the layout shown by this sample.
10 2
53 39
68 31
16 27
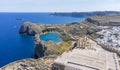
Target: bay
14 46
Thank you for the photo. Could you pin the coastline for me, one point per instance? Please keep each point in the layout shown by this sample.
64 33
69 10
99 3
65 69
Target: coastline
63 29
53 28
46 60
35 30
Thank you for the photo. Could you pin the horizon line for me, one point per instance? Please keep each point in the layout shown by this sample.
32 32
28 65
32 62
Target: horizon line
53 11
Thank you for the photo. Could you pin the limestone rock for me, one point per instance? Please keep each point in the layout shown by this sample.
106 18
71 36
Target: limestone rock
26 28
31 64
106 20
39 50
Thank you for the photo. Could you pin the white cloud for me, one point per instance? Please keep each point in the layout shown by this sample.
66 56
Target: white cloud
58 5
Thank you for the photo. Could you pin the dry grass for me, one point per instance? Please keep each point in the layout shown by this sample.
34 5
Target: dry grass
57 49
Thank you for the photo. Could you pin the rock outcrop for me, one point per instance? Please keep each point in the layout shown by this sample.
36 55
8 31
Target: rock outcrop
30 29
26 28
44 63
36 30
66 31
105 20
85 14
39 50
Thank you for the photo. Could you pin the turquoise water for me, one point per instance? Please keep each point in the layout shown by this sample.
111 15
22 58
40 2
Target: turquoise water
14 46
54 37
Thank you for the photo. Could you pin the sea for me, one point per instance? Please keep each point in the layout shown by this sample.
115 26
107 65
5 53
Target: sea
14 46
52 36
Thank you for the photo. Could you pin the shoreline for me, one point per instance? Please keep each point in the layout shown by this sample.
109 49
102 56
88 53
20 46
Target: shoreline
27 59
46 28
35 30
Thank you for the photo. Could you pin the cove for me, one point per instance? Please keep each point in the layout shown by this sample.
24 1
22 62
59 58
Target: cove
52 36
14 46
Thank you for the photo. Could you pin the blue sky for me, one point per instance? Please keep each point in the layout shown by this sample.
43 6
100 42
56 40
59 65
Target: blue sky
58 5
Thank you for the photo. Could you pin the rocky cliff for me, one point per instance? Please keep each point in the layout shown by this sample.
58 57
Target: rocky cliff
43 48
105 20
40 50
85 14
103 29
44 63
26 28
69 32
32 29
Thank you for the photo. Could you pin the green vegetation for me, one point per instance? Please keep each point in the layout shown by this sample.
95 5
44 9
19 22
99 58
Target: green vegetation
66 32
57 49
65 37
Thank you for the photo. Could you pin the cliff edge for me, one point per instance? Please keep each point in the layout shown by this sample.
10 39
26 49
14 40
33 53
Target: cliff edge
106 20
44 63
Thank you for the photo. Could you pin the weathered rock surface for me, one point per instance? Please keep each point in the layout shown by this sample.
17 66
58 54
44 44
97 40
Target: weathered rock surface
26 28
32 29
31 64
102 27
66 31
85 14
106 20
39 50
71 32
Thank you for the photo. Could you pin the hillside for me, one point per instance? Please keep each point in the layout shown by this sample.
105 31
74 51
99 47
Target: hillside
106 20
85 14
